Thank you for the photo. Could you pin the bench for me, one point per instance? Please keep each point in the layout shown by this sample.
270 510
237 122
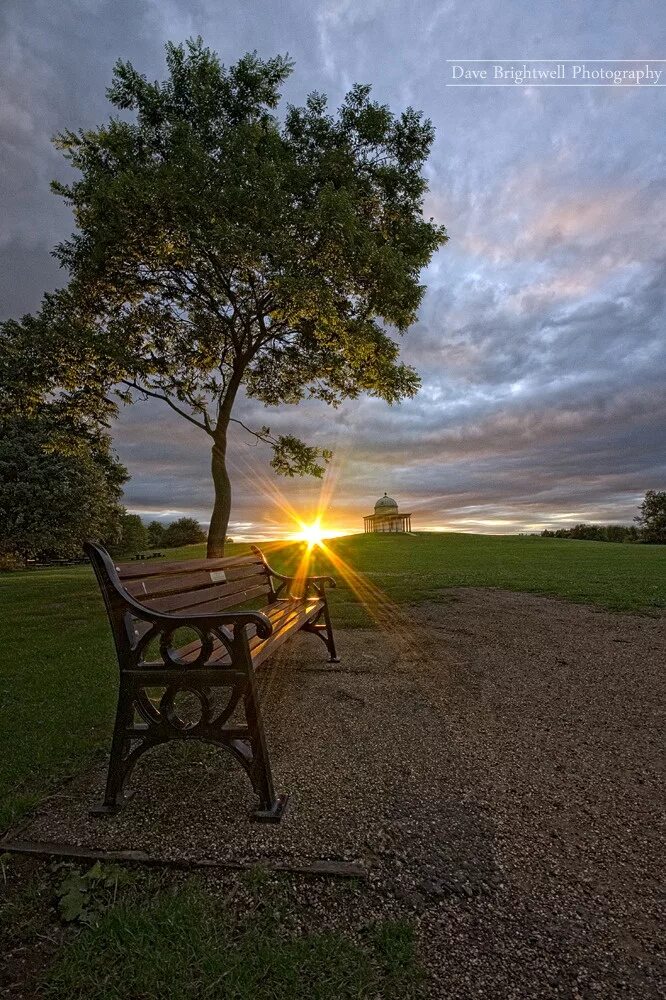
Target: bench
148 605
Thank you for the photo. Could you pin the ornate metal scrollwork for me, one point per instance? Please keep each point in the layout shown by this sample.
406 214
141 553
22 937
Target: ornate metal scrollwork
170 655
171 714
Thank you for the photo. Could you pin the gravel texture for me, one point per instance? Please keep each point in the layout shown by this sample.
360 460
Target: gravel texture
495 760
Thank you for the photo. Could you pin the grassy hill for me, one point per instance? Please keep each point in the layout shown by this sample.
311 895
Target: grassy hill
58 675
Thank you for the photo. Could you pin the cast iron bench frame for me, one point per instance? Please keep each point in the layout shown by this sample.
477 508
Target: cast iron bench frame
146 602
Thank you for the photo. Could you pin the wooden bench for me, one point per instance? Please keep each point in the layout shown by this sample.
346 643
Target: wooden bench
149 604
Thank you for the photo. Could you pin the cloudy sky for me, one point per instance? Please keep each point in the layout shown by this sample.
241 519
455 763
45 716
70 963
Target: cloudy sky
541 337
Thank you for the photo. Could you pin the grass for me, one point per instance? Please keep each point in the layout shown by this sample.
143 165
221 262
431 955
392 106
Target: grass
166 936
58 675
410 569
183 946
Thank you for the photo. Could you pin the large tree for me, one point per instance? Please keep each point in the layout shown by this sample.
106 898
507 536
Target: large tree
652 517
222 248
60 484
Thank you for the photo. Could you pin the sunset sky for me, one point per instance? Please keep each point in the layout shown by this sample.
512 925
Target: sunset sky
541 337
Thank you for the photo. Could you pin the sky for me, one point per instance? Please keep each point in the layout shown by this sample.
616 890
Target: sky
540 340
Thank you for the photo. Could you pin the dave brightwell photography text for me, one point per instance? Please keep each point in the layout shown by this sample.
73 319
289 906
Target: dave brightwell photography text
552 73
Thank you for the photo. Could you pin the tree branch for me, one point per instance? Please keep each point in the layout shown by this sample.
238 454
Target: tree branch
260 436
166 399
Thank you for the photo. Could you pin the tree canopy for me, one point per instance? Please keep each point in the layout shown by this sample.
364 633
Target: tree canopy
133 534
222 248
652 517
59 484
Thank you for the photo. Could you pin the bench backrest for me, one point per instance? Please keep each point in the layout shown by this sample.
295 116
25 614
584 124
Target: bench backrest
198 585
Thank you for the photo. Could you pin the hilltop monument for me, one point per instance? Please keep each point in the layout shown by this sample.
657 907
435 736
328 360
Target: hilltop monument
387 518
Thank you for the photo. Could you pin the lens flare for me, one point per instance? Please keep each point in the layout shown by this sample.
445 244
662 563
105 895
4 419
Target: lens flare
313 533
315 555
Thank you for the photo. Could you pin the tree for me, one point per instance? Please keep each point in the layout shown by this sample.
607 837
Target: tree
651 518
222 250
59 484
620 533
587 532
133 534
184 531
155 534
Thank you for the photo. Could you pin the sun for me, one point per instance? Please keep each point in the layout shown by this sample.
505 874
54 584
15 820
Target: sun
313 533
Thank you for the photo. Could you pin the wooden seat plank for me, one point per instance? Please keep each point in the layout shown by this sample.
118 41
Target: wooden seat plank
184 582
160 586
286 616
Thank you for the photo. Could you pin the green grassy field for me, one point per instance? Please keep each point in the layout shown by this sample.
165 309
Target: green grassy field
58 674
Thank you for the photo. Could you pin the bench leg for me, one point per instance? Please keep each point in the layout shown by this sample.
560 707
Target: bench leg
114 798
330 639
325 632
271 806
248 745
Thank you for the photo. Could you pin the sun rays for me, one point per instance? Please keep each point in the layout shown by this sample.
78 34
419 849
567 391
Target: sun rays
317 555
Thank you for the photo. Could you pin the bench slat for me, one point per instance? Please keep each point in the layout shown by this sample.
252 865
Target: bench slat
192 600
224 603
286 619
138 570
274 612
266 647
160 586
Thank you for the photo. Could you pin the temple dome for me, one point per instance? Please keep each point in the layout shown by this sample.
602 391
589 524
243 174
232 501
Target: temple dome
386 504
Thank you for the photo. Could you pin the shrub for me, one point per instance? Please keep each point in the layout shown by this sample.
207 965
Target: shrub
155 534
184 531
59 485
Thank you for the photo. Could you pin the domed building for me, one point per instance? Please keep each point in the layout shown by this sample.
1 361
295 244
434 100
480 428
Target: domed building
387 517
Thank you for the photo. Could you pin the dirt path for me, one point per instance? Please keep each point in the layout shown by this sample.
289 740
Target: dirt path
494 760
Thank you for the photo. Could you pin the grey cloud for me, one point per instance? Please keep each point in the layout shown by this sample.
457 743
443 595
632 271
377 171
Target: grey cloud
541 338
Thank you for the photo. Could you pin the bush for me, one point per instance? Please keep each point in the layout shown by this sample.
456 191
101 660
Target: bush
184 531
620 533
59 485
133 534
155 534
10 561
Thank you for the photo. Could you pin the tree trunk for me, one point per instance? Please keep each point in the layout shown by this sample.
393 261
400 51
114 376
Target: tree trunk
219 521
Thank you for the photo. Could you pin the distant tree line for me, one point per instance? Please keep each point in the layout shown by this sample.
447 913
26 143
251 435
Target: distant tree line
649 526
596 532
135 536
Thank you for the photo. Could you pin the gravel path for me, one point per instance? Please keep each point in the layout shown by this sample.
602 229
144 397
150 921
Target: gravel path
495 760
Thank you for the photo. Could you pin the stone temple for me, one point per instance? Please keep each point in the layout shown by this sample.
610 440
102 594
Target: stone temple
387 518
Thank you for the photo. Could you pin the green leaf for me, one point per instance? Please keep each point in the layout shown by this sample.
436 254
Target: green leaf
72 904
